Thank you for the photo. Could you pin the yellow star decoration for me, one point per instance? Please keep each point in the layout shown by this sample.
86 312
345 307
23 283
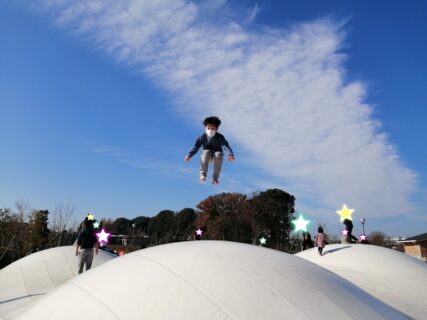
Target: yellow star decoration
90 216
345 213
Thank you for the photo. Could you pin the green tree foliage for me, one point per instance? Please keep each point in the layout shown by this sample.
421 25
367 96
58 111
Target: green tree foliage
121 226
162 227
271 213
38 228
141 224
185 224
13 237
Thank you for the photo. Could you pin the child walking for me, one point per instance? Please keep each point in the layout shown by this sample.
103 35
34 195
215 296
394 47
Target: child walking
320 240
212 142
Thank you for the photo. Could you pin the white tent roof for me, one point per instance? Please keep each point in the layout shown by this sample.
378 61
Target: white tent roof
391 276
209 280
31 277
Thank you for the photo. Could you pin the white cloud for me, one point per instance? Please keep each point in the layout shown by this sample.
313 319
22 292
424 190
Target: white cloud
102 150
281 93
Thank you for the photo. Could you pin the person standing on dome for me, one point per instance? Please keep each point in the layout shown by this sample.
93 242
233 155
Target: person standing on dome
349 228
86 242
320 240
307 243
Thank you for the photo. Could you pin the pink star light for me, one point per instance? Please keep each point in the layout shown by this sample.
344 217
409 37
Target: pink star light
103 236
199 232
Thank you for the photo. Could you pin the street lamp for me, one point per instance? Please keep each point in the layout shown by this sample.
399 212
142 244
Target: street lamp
363 224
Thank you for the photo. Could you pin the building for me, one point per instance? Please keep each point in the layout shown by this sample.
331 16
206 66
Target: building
416 246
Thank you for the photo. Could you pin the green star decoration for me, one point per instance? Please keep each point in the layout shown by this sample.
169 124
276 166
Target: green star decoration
96 225
263 241
300 224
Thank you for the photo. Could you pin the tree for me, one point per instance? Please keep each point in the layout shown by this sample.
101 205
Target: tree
121 226
38 228
106 223
377 238
21 206
60 218
161 227
224 217
184 224
271 213
141 224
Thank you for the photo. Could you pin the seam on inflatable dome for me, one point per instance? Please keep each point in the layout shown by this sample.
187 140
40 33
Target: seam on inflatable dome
95 298
258 279
215 303
68 264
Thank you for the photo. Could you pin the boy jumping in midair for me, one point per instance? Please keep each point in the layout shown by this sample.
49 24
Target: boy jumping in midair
212 142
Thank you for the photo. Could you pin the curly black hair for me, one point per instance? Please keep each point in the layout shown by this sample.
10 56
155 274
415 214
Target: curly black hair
213 121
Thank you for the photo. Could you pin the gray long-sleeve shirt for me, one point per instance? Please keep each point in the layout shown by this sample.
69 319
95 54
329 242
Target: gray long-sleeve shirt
214 144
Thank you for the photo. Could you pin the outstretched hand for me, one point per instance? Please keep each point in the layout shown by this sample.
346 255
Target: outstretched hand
230 157
187 158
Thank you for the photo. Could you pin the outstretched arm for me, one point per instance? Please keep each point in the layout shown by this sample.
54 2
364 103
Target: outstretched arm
229 150
194 150
79 243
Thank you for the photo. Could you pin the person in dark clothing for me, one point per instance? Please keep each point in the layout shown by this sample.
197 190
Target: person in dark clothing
86 241
306 241
349 227
212 142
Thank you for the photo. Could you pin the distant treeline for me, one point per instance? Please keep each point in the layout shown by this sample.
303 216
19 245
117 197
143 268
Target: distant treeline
226 216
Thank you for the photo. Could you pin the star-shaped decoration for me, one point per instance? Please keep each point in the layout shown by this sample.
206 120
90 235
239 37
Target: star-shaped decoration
103 236
345 232
96 225
90 216
199 232
300 224
263 241
363 237
345 213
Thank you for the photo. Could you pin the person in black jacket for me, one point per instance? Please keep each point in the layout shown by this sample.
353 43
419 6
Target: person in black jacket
212 142
307 243
86 241
349 228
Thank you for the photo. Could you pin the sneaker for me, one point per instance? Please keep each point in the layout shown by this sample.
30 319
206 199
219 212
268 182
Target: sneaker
215 181
202 178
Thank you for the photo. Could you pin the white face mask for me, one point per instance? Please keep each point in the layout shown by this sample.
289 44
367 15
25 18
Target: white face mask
210 132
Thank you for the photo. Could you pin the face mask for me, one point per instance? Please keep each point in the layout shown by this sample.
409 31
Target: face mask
210 132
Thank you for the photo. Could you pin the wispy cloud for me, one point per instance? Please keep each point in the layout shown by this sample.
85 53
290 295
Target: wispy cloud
149 165
253 13
102 150
281 93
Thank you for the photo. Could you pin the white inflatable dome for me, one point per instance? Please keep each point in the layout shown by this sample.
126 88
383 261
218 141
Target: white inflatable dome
31 277
209 280
391 276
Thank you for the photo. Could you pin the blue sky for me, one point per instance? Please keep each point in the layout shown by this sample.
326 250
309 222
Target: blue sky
99 103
